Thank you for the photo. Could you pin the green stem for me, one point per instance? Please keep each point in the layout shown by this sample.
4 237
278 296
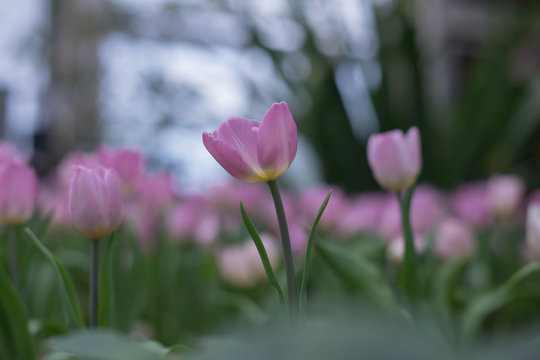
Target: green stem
287 252
408 272
94 283
13 263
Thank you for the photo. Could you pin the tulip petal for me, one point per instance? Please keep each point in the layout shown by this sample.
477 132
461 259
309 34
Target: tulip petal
389 159
18 191
238 133
277 140
227 157
113 194
87 204
412 139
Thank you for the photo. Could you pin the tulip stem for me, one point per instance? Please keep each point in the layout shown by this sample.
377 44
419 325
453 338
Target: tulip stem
408 272
287 252
94 285
13 263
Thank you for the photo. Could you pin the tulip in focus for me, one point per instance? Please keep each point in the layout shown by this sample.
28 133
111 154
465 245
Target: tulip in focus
18 193
533 229
454 238
504 195
395 158
95 201
252 151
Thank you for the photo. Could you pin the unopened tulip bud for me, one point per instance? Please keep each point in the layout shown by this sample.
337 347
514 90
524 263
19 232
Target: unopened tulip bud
533 229
504 195
18 193
395 158
454 239
95 201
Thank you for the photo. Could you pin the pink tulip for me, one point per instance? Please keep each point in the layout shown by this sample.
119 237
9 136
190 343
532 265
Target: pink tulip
427 209
128 163
70 162
95 201
18 193
55 202
252 151
533 229
311 200
396 248
453 239
8 153
469 202
156 191
395 158
241 265
363 215
504 195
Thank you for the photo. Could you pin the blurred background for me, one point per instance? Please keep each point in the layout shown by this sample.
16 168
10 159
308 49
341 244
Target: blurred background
153 75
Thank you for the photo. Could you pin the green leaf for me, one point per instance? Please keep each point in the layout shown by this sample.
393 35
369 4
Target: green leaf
16 317
480 308
262 253
358 273
106 287
68 298
307 260
106 345
444 283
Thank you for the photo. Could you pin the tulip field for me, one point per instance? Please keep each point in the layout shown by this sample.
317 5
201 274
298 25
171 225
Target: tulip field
106 259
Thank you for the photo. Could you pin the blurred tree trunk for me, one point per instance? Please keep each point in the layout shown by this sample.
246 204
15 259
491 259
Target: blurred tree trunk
70 102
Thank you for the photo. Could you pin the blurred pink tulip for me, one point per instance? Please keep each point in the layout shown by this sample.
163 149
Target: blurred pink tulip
70 162
8 153
184 218
454 238
128 163
312 199
504 195
469 202
533 229
18 192
240 265
427 209
156 191
252 151
363 215
396 248
299 239
55 202
95 201
395 158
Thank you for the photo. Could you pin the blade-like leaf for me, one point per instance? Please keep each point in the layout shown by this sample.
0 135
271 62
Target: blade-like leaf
106 287
262 253
479 309
68 298
444 283
358 273
311 241
16 317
